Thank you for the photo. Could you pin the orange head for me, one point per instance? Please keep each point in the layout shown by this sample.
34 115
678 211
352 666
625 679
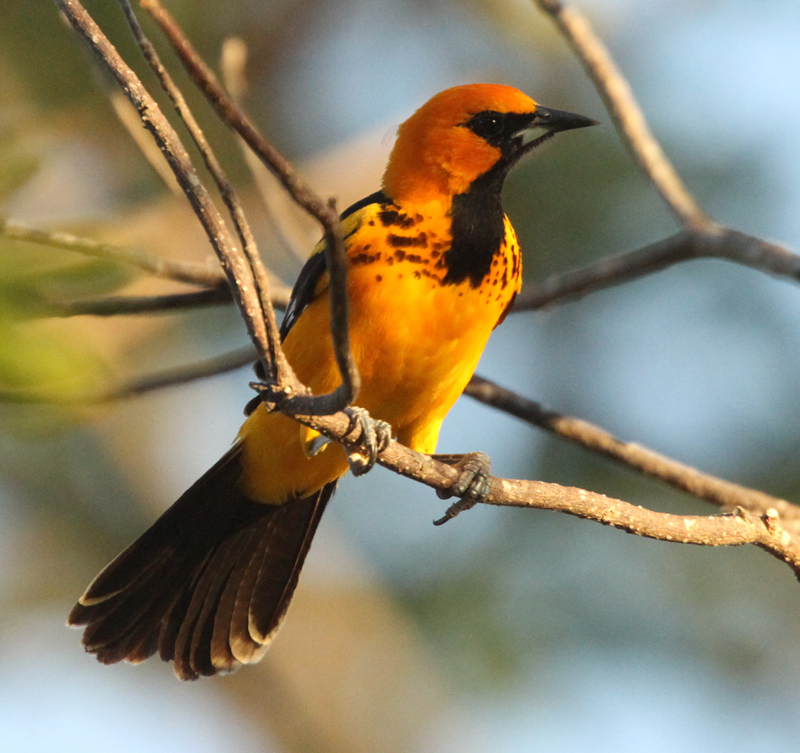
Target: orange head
463 133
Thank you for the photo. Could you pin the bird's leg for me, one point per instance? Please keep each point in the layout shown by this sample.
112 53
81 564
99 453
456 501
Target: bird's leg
375 437
472 484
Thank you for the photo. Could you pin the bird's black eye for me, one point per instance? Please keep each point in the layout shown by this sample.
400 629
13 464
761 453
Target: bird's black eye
489 125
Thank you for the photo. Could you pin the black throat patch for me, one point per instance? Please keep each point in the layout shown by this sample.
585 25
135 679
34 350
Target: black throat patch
477 228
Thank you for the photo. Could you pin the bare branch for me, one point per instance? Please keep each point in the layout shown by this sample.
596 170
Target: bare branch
189 272
293 238
236 269
134 304
275 363
141 386
301 192
607 272
702 485
719 530
628 116
714 242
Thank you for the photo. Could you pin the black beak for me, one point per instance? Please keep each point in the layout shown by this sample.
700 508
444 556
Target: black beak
546 121
559 120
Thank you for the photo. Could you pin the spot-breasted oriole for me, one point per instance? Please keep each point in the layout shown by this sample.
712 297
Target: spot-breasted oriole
434 266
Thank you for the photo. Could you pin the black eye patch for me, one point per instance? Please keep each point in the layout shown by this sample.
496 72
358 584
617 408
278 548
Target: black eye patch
498 128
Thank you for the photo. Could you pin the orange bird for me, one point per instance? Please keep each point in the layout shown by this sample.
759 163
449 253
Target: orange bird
434 266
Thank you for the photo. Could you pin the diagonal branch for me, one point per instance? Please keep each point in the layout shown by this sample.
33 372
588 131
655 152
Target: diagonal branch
714 242
238 273
275 363
151 304
193 273
683 477
624 109
303 195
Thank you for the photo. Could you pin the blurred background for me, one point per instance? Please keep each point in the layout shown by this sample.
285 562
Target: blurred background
506 630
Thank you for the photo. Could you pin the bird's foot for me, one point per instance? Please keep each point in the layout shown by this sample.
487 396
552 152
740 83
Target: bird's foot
269 393
472 484
375 437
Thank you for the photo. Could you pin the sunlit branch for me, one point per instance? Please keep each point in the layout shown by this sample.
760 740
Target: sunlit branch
232 261
190 272
702 485
324 212
624 109
711 243
275 363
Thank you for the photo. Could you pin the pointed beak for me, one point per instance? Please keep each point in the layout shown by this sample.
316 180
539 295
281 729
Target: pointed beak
547 121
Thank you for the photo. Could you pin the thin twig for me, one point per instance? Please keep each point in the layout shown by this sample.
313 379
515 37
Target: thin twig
303 195
236 269
624 109
711 243
275 363
140 386
702 485
135 304
151 304
189 272
292 237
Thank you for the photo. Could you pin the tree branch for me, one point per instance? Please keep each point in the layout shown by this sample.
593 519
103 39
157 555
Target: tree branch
683 477
239 276
325 213
192 273
625 111
275 363
155 304
713 242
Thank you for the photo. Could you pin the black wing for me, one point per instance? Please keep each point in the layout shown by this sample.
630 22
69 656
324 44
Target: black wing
304 290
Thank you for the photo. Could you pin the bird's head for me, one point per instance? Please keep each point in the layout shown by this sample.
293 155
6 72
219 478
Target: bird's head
465 132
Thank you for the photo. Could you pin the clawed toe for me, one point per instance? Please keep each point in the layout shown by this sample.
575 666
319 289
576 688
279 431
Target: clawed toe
375 437
472 484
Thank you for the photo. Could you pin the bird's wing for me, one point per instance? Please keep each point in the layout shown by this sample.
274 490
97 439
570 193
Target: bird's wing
313 278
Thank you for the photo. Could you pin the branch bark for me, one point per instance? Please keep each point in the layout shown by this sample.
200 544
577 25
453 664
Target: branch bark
324 212
239 276
712 242
193 273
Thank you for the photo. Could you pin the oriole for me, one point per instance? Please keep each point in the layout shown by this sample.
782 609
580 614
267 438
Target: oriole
434 266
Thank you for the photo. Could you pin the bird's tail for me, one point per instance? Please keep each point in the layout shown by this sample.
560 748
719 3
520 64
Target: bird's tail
208 584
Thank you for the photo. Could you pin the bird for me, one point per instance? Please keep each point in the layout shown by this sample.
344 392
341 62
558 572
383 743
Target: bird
434 266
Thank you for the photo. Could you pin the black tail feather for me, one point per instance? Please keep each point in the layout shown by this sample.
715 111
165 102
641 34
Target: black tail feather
208 584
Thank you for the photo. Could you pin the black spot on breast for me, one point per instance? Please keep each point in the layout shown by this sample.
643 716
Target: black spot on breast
404 241
393 218
364 259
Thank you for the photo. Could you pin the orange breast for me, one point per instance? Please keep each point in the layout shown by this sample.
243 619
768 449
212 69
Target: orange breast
416 342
